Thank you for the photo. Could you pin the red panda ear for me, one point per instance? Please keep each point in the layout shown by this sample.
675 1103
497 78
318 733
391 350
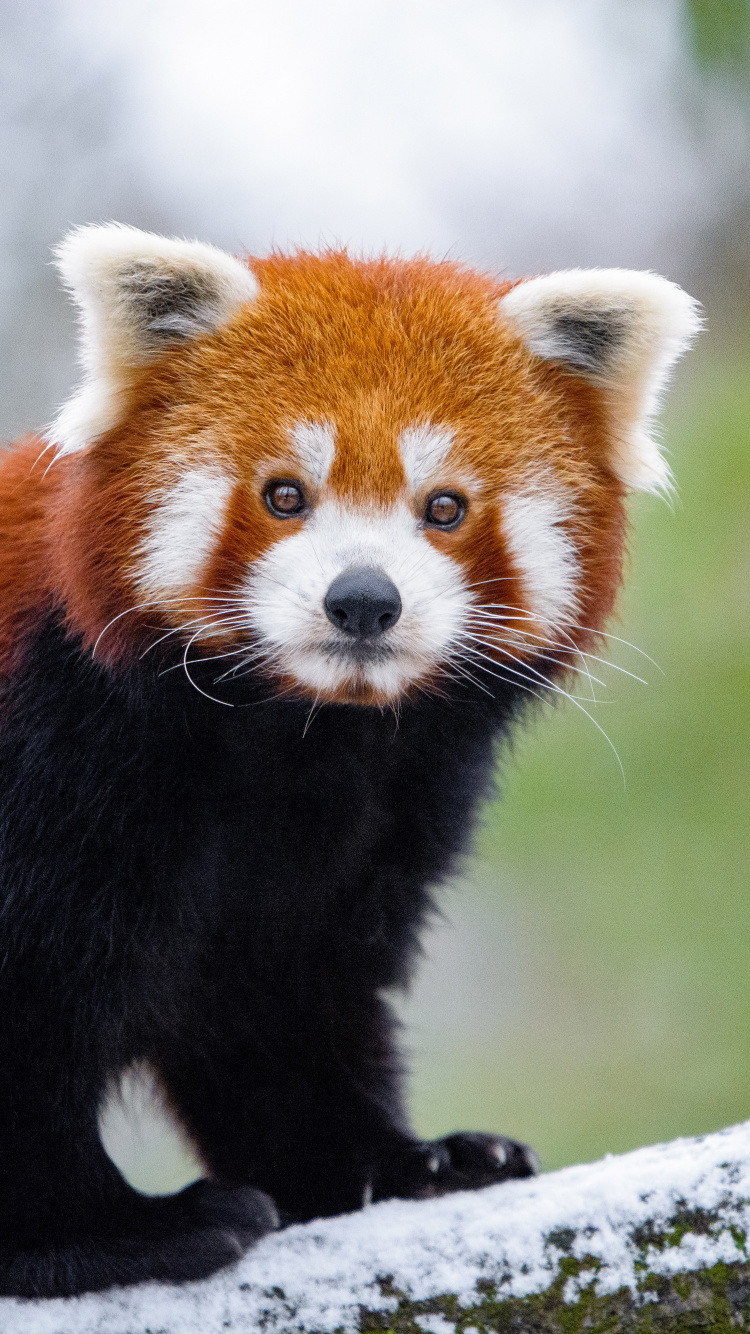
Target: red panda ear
137 293
622 331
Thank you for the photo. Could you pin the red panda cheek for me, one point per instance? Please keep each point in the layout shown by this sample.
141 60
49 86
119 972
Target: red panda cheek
249 532
93 526
479 550
602 552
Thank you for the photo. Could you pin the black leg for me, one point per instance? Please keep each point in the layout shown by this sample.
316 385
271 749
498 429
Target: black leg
303 1112
321 1128
69 1223
172 1238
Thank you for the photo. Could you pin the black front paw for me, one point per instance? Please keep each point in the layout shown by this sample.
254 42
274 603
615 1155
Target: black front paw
240 1213
463 1161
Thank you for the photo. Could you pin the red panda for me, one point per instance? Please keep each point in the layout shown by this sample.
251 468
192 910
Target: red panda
286 567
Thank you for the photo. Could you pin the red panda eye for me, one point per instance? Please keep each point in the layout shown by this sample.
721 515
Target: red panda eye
445 510
285 499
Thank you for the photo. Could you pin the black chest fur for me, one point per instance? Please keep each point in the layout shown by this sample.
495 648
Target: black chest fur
146 828
223 892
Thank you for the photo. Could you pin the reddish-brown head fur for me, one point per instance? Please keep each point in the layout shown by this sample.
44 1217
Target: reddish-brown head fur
372 386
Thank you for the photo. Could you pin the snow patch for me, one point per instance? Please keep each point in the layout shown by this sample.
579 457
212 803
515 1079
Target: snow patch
623 1211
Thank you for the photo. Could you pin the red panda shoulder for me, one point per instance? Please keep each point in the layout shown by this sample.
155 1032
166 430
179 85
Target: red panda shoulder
26 580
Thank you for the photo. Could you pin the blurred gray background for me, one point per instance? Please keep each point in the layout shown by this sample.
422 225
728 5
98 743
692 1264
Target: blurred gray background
588 988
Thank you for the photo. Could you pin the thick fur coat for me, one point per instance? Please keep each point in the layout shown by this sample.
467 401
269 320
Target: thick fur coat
307 538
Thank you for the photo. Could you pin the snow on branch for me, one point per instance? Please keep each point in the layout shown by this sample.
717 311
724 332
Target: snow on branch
654 1239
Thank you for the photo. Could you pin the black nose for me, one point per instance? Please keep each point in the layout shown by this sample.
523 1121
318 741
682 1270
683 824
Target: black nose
363 603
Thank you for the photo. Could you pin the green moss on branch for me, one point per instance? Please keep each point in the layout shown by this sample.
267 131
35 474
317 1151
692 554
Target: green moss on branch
712 1301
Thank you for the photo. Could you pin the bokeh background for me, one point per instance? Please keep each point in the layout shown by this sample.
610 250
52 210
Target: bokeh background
588 987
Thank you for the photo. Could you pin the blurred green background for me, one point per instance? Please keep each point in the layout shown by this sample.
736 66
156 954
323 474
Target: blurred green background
603 1000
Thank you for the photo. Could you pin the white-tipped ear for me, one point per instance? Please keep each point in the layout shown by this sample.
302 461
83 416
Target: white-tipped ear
621 330
137 293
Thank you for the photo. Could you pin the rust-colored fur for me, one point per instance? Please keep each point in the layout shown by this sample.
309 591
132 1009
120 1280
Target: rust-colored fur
370 346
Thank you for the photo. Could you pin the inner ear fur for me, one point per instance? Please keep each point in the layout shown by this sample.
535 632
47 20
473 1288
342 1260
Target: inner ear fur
137 294
620 330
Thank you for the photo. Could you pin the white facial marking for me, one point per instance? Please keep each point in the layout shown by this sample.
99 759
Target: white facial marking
424 450
183 532
286 587
315 445
544 552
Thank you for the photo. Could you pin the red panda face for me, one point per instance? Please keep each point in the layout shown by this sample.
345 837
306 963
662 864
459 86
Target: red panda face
355 479
370 606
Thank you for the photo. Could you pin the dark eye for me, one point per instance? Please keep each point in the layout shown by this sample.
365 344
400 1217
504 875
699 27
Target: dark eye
445 509
285 499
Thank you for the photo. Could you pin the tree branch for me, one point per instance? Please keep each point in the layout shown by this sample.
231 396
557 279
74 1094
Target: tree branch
652 1240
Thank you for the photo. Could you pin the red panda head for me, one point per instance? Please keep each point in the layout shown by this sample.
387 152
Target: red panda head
354 477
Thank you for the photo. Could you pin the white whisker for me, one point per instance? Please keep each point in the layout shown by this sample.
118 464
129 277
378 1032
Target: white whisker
213 698
501 646
311 715
517 684
212 622
572 647
559 691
